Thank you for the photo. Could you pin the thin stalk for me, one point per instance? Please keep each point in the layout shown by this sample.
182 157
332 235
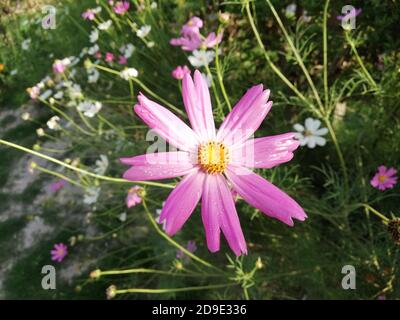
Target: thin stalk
359 60
325 49
144 87
85 172
274 67
174 243
219 76
139 290
338 151
220 108
376 212
59 175
297 56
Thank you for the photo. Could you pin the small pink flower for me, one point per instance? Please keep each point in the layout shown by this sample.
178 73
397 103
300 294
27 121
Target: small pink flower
384 178
121 7
109 57
192 26
59 252
190 246
191 38
225 158
180 71
56 186
34 92
212 40
134 197
122 60
98 55
89 14
58 67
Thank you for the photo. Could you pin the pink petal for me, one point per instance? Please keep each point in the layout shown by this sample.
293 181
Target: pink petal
391 172
246 116
182 201
219 212
265 152
155 166
212 40
264 196
196 98
166 124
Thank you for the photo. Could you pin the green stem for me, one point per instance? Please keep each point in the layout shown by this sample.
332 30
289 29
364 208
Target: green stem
59 175
274 67
359 60
325 49
338 151
144 87
297 56
174 243
139 290
85 172
375 212
220 108
219 76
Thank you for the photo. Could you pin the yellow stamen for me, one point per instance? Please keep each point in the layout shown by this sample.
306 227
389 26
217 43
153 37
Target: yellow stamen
213 157
382 179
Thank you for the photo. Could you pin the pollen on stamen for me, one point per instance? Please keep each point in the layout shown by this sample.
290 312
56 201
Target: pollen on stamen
213 157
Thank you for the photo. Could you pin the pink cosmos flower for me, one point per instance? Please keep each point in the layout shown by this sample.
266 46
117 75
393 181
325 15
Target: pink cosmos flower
56 186
180 71
59 252
121 7
59 66
384 178
191 38
34 92
353 13
89 14
133 197
109 57
98 55
122 60
209 159
192 26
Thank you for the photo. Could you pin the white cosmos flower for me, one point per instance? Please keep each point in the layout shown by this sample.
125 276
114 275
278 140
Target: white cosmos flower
93 50
143 31
105 25
91 195
127 50
45 95
200 58
53 123
40 132
128 73
310 134
93 75
26 44
74 91
89 108
94 35
101 165
59 95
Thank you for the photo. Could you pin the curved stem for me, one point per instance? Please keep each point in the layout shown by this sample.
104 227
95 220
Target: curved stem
85 172
297 56
325 49
274 67
219 76
376 212
359 60
174 243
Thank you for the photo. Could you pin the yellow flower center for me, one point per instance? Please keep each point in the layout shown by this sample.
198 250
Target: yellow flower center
213 157
382 179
